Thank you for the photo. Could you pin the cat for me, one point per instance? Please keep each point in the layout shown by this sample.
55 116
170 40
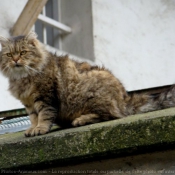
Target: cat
70 93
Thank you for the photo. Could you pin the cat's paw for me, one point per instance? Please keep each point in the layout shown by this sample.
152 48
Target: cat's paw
39 130
28 132
78 122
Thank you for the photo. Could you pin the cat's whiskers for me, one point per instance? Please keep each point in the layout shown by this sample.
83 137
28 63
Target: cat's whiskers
28 71
28 68
6 67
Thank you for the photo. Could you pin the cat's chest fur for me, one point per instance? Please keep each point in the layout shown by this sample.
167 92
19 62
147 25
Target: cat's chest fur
21 89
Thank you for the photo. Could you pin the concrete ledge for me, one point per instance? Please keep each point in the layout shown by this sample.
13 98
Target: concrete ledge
116 137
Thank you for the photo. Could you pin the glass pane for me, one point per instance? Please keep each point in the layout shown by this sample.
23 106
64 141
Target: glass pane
52 34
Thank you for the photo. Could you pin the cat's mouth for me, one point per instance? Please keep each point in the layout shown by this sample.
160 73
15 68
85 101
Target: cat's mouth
17 65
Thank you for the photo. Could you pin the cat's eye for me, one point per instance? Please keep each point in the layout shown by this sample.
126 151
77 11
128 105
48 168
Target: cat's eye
9 54
23 52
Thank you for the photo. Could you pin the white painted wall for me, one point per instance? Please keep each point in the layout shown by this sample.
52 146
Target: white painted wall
135 39
9 12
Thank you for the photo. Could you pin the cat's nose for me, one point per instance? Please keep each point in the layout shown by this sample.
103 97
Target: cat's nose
15 59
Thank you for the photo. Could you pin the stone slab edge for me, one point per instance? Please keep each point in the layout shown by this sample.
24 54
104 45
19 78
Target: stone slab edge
113 137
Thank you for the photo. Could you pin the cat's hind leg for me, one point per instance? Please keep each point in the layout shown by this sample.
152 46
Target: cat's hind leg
86 119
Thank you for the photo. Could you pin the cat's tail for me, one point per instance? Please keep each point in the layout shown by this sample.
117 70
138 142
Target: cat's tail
137 103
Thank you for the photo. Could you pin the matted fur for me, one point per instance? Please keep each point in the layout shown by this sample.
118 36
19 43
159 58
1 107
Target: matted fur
58 89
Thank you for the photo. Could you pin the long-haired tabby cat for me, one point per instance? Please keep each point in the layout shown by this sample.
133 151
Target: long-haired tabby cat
58 89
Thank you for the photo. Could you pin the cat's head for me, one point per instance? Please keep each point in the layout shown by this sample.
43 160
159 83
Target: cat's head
22 56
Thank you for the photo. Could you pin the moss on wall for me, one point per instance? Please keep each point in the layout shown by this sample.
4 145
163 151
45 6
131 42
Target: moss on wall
113 137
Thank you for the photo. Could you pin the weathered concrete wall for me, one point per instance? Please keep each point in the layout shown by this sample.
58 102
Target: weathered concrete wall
135 40
9 12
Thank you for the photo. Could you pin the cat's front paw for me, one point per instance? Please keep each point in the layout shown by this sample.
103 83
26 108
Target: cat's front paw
39 130
28 132
78 122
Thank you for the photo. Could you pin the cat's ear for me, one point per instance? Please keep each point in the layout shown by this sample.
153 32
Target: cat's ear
3 40
31 35
31 38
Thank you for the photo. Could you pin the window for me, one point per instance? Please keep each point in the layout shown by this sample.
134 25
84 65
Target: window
66 25
47 26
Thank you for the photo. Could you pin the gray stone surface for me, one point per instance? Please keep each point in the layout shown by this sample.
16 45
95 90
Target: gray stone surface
118 137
